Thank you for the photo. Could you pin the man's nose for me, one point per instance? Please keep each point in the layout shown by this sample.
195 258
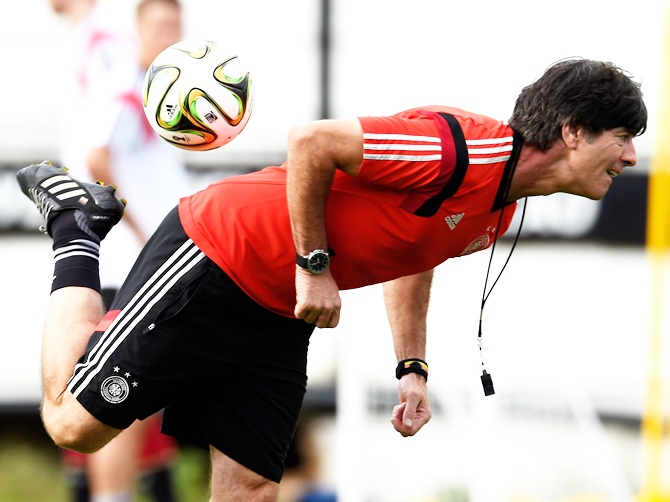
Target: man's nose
629 156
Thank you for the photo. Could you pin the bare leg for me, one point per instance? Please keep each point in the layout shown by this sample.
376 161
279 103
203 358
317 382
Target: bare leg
71 318
232 482
77 217
113 469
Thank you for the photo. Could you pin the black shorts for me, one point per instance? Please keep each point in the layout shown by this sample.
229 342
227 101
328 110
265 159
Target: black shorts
181 335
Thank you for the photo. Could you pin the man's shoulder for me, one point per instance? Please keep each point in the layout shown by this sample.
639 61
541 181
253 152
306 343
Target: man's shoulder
474 125
420 111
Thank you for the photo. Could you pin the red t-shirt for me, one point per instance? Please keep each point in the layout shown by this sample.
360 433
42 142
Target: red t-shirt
429 188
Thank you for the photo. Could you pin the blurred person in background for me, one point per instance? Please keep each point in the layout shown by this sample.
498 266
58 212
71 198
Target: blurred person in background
95 48
110 140
302 478
123 150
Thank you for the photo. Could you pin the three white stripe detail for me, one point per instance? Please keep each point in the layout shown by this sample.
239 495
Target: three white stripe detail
477 148
179 264
57 184
78 247
409 144
485 146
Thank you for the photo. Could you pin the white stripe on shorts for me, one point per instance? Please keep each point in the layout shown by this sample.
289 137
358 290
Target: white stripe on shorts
174 268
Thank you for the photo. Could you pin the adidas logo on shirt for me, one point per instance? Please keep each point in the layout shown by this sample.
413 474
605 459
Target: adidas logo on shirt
453 220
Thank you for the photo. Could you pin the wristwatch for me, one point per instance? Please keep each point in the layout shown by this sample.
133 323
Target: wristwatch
316 261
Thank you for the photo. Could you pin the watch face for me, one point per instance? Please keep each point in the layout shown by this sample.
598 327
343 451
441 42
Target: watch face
317 262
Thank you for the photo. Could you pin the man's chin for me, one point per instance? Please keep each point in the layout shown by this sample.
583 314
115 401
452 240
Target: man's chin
599 192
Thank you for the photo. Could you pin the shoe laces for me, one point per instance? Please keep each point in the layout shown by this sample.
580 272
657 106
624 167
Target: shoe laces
44 205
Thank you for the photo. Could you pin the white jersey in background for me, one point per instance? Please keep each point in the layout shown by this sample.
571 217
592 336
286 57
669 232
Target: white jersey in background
150 173
94 51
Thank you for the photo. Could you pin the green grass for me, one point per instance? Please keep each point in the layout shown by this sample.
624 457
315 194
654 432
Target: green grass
191 475
30 473
31 470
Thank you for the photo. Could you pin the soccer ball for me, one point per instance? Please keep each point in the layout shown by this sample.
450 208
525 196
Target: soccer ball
196 96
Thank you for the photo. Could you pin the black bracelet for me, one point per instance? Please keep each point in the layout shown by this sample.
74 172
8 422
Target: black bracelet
413 365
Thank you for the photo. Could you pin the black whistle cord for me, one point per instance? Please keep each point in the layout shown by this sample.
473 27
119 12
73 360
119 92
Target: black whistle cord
487 382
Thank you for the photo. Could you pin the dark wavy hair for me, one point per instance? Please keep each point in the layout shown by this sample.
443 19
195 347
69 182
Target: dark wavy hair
593 94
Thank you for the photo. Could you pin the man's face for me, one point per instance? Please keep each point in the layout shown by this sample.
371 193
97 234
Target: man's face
597 160
158 27
59 6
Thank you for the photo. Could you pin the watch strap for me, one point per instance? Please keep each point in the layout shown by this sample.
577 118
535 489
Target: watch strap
301 260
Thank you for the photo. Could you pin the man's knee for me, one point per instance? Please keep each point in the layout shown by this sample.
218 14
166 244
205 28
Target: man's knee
232 481
72 427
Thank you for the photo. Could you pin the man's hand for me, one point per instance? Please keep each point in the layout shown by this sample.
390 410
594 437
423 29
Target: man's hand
413 412
317 298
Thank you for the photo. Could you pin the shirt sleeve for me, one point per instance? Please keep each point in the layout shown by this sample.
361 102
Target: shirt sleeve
120 122
406 153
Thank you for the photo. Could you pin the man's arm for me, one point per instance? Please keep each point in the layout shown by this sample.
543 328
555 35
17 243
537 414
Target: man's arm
100 166
315 151
406 300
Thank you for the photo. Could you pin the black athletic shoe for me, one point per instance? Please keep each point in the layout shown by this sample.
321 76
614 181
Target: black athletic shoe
53 190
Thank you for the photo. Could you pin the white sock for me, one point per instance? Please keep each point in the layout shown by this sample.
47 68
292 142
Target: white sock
112 497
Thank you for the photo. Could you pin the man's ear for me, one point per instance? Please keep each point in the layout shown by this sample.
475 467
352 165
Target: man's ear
571 135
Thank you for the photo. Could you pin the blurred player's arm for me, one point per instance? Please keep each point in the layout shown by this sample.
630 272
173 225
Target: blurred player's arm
101 168
315 151
406 300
